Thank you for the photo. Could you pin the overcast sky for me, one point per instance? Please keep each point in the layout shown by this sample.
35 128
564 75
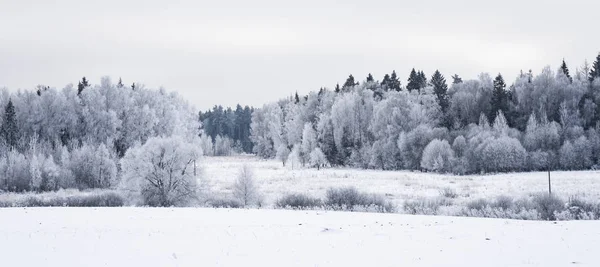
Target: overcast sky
252 52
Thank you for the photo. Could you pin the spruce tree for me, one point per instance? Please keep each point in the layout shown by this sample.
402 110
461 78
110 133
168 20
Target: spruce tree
370 78
385 84
9 128
456 79
349 83
82 85
499 100
120 84
296 98
413 81
565 70
394 82
422 80
595 71
440 89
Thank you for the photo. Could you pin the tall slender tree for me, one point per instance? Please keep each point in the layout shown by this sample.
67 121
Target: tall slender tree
394 82
9 129
385 84
565 70
595 71
370 78
82 85
414 81
440 89
500 97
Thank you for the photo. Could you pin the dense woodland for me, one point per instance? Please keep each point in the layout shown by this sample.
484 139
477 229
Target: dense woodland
110 135
76 136
548 120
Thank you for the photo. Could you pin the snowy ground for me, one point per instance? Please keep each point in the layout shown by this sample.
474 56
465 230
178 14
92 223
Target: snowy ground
222 237
398 186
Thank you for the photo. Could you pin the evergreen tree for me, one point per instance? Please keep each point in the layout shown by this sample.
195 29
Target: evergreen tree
120 84
370 78
394 82
82 85
133 86
440 88
337 88
296 98
385 84
456 79
422 80
414 81
9 128
349 83
595 71
500 97
565 70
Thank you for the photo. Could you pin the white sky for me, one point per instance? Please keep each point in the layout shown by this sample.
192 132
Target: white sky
252 52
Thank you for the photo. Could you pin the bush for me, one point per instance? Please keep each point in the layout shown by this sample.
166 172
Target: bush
348 198
547 205
298 201
579 209
64 198
426 206
224 203
448 192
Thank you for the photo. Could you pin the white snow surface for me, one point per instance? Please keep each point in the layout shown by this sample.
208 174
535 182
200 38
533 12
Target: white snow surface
227 237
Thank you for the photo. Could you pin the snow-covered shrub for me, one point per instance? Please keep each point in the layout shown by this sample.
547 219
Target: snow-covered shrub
437 156
298 201
245 189
162 172
426 206
448 192
548 205
224 202
349 198
64 198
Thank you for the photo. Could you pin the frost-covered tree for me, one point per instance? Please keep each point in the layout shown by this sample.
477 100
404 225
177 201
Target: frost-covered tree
162 172
294 160
282 153
317 158
245 188
437 156
206 145
309 142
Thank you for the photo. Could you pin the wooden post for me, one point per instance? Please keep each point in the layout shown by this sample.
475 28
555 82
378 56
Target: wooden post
549 184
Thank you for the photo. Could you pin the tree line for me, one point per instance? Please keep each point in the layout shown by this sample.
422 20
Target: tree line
539 122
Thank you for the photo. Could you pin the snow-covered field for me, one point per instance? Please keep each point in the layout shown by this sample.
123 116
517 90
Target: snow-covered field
398 186
223 237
